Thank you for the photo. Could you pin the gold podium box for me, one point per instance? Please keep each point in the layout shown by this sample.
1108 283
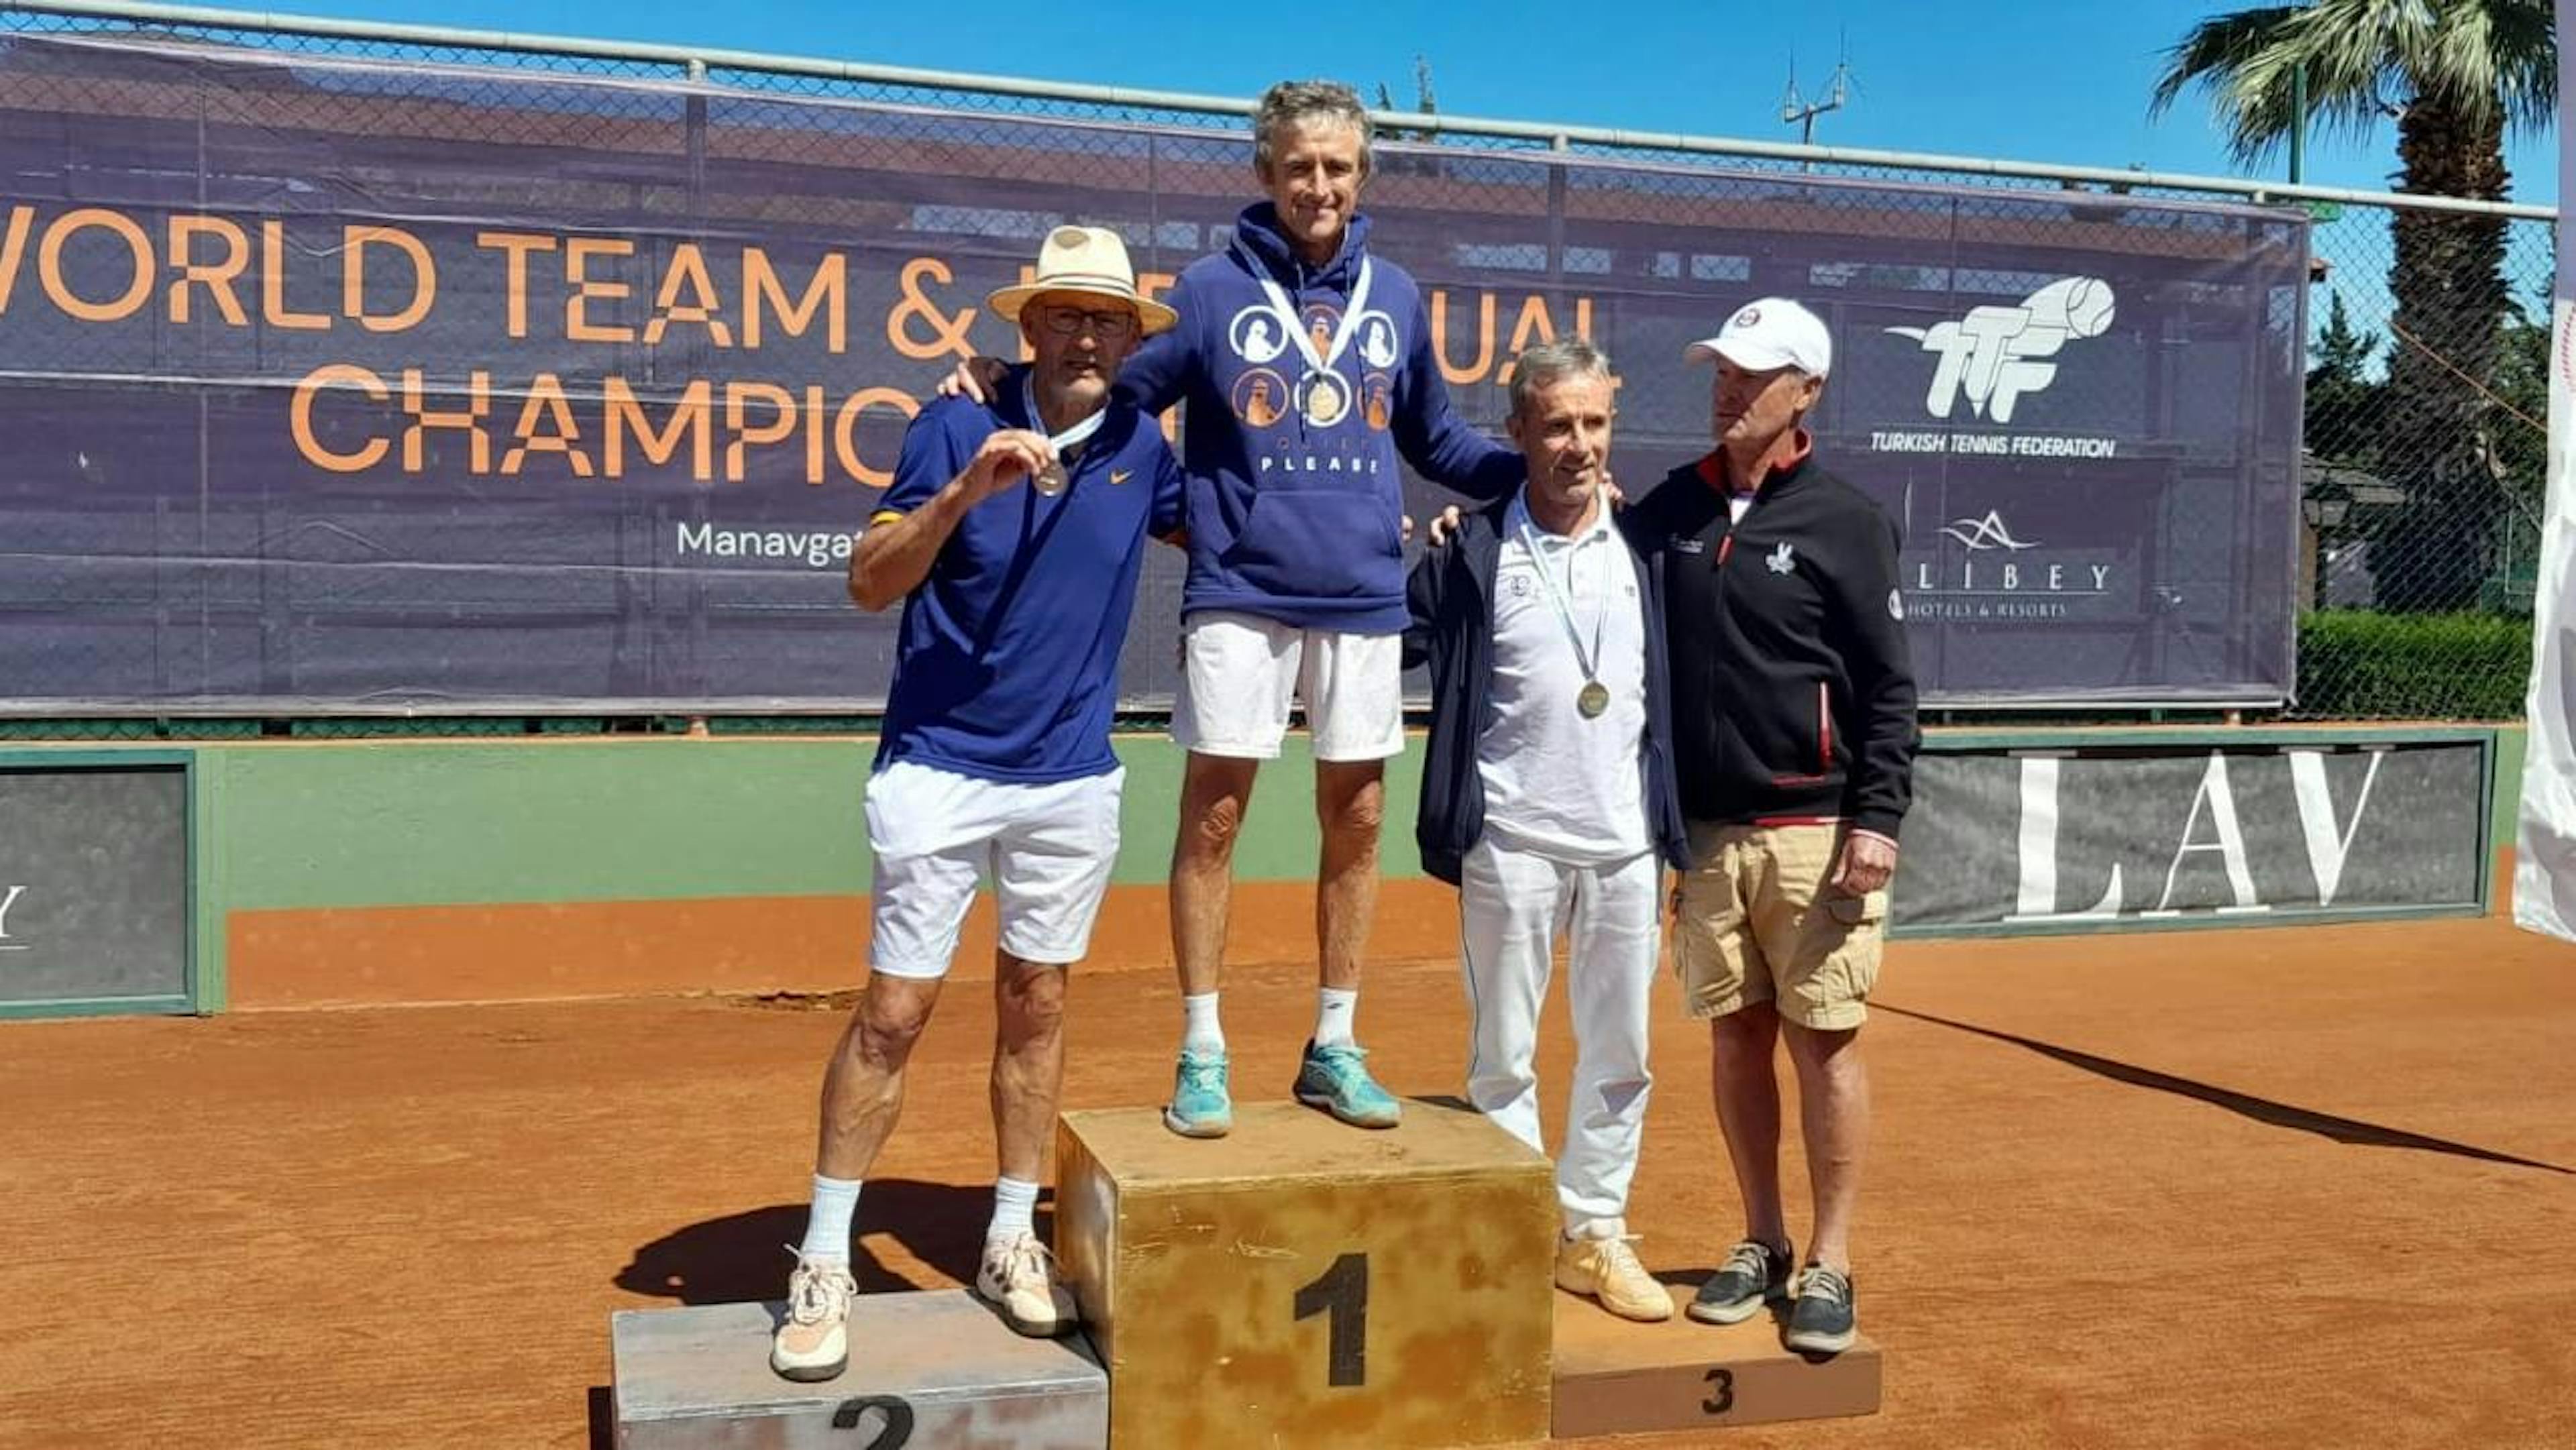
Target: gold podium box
1615 1377
1304 1282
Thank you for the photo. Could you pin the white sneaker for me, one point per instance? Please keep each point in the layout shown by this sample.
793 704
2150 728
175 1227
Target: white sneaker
813 1343
1608 1270
1019 1278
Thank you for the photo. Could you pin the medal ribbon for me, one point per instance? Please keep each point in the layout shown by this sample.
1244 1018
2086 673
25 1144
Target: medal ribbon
1561 596
1070 436
1297 334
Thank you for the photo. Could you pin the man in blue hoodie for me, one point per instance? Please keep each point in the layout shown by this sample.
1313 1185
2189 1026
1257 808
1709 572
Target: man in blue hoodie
1297 560
1308 369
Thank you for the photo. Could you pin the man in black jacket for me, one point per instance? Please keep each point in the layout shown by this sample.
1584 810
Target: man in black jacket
1794 710
1548 798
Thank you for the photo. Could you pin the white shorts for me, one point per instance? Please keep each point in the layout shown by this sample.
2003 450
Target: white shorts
1240 672
1048 848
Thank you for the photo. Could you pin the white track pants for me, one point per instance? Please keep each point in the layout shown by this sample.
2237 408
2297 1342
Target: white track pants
1514 904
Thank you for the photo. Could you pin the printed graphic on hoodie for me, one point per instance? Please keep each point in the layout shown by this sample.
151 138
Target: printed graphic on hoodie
1263 397
1295 490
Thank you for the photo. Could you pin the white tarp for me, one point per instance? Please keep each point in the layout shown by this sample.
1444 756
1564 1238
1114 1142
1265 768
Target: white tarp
2544 871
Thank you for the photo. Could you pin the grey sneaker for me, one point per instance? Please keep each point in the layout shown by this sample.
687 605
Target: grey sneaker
1754 1274
1821 1321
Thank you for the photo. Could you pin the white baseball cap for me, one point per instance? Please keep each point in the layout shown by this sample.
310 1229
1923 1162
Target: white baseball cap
1773 332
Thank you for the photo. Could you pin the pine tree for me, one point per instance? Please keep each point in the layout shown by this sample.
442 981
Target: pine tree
2343 403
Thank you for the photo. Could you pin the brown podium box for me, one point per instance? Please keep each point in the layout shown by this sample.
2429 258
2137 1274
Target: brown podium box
1301 1282
1617 1377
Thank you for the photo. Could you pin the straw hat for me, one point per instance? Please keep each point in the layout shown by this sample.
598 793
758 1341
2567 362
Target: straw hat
1089 260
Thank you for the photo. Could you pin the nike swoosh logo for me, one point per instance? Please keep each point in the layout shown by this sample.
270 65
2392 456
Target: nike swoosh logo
1116 477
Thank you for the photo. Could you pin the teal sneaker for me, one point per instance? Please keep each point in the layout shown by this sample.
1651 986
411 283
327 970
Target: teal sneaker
1335 1079
1201 1107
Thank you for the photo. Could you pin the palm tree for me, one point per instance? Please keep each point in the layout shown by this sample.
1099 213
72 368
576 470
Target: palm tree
2455 74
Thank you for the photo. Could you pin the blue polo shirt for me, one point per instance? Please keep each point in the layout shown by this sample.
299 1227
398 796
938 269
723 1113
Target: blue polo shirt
1006 668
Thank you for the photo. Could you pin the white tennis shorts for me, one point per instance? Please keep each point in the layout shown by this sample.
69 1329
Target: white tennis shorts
1048 848
1240 672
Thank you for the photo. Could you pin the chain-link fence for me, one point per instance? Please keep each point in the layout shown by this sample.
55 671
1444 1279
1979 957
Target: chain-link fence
2421 484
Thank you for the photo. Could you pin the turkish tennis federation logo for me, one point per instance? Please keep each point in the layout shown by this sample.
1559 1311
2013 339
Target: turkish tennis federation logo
1996 355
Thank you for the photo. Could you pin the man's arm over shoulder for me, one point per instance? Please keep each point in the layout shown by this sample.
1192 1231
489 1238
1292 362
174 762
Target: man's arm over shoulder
1158 372
1871 604
1434 439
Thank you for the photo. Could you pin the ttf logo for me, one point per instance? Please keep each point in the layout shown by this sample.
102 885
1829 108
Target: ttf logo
8 899
1995 354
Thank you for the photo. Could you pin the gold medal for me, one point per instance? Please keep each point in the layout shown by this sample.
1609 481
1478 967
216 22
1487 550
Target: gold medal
1326 400
1594 698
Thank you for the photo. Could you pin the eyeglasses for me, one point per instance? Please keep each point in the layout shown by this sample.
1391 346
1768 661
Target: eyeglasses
1067 321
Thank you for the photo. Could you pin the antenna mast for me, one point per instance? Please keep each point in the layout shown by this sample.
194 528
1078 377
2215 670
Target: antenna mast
1797 111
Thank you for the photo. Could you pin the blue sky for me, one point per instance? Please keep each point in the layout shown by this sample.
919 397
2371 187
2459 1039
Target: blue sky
2024 80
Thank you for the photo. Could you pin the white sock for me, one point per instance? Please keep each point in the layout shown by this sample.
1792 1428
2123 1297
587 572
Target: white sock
827 1230
1334 1010
1199 1031
1015 1202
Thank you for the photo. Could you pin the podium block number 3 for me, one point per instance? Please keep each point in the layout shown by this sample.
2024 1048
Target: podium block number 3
1341 1294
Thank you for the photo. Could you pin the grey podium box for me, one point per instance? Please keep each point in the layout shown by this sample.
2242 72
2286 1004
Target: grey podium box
933 1368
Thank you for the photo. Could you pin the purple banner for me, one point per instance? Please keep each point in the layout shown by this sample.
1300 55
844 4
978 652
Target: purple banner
337 387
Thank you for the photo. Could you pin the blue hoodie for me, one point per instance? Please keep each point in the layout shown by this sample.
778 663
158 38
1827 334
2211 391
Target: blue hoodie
1295 500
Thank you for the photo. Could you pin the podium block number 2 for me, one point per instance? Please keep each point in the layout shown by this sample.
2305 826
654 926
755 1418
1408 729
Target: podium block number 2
893 1430
1341 1294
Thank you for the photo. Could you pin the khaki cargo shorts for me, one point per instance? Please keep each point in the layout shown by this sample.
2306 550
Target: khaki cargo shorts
1757 923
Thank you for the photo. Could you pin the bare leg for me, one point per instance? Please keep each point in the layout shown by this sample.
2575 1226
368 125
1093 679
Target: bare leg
863 1088
1350 806
1748 1111
1833 1110
1216 790
1028 1061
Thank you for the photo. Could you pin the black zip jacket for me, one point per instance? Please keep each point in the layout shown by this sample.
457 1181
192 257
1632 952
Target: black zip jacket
1451 595
1792 696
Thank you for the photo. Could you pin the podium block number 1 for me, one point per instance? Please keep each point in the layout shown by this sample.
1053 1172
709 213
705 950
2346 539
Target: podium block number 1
1342 1294
1299 1283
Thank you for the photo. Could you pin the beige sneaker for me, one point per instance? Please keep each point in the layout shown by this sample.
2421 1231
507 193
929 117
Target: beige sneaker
813 1342
1019 1278
1607 1269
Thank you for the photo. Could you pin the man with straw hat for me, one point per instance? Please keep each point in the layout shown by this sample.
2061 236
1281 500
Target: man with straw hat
1012 536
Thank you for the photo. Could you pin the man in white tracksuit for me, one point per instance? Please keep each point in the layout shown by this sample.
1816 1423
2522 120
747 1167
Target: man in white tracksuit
1548 798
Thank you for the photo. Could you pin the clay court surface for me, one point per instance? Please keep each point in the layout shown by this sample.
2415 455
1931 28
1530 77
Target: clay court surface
2283 1188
